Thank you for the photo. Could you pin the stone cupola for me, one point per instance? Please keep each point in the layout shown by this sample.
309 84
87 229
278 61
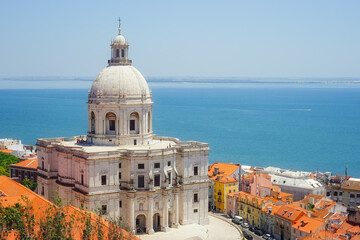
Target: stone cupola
119 103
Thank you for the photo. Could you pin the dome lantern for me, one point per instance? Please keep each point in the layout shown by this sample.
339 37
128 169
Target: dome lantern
119 50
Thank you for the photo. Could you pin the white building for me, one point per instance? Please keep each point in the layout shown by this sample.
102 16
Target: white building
298 186
122 168
19 149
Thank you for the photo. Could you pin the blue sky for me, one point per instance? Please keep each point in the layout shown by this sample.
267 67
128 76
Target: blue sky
182 38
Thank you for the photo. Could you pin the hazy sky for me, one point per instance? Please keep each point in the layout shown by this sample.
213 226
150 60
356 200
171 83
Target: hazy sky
183 38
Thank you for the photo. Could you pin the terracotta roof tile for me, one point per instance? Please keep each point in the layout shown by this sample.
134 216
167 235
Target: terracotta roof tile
13 192
28 163
308 224
7 151
290 213
224 168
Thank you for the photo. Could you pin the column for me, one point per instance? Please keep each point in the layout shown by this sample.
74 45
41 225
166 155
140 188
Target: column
176 208
132 213
165 217
150 223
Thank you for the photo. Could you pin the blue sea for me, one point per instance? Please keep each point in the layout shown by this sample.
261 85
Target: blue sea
296 126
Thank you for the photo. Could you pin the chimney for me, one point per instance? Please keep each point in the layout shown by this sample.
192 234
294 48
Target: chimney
312 201
216 172
309 213
302 223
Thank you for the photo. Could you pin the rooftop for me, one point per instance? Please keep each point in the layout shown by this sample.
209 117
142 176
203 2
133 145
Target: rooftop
28 163
224 168
290 213
13 192
308 224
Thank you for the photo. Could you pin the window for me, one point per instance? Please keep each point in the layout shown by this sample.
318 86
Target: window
157 180
141 182
195 210
119 175
229 191
119 165
196 197
42 190
103 209
120 204
112 125
117 53
169 163
42 165
122 53
196 171
157 165
141 166
103 180
134 142
132 125
82 179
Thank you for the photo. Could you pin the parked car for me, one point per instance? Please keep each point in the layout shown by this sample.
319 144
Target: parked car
259 232
267 236
237 219
245 225
252 228
247 236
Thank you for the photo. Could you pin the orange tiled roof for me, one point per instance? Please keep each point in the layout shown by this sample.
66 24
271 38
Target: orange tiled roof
326 235
7 151
273 209
13 192
222 178
290 213
28 163
251 198
224 168
233 194
285 195
306 199
347 227
308 224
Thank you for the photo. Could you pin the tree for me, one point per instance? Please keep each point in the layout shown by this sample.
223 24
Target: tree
5 161
29 184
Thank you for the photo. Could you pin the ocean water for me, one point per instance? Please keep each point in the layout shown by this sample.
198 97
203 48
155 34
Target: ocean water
296 126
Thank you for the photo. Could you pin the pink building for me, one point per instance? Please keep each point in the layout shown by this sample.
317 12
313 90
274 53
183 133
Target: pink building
257 184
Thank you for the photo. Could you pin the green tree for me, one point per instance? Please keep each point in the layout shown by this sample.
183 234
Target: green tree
5 161
29 184
18 217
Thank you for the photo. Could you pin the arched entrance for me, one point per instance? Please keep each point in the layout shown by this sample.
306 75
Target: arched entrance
140 224
156 222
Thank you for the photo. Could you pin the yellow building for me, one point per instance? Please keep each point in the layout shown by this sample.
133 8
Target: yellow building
250 207
223 185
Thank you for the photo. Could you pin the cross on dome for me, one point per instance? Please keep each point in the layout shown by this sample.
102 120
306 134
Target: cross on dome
119 25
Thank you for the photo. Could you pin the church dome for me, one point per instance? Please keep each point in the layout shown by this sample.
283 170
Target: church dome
120 82
119 39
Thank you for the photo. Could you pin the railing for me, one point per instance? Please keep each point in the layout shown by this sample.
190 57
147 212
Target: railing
120 61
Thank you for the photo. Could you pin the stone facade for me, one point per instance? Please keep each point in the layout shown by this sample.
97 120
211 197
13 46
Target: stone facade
121 168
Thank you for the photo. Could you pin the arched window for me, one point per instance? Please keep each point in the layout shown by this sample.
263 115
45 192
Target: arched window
122 53
117 53
92 123
134 123
110 123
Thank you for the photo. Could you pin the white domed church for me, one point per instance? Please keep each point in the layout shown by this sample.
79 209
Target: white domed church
121 167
